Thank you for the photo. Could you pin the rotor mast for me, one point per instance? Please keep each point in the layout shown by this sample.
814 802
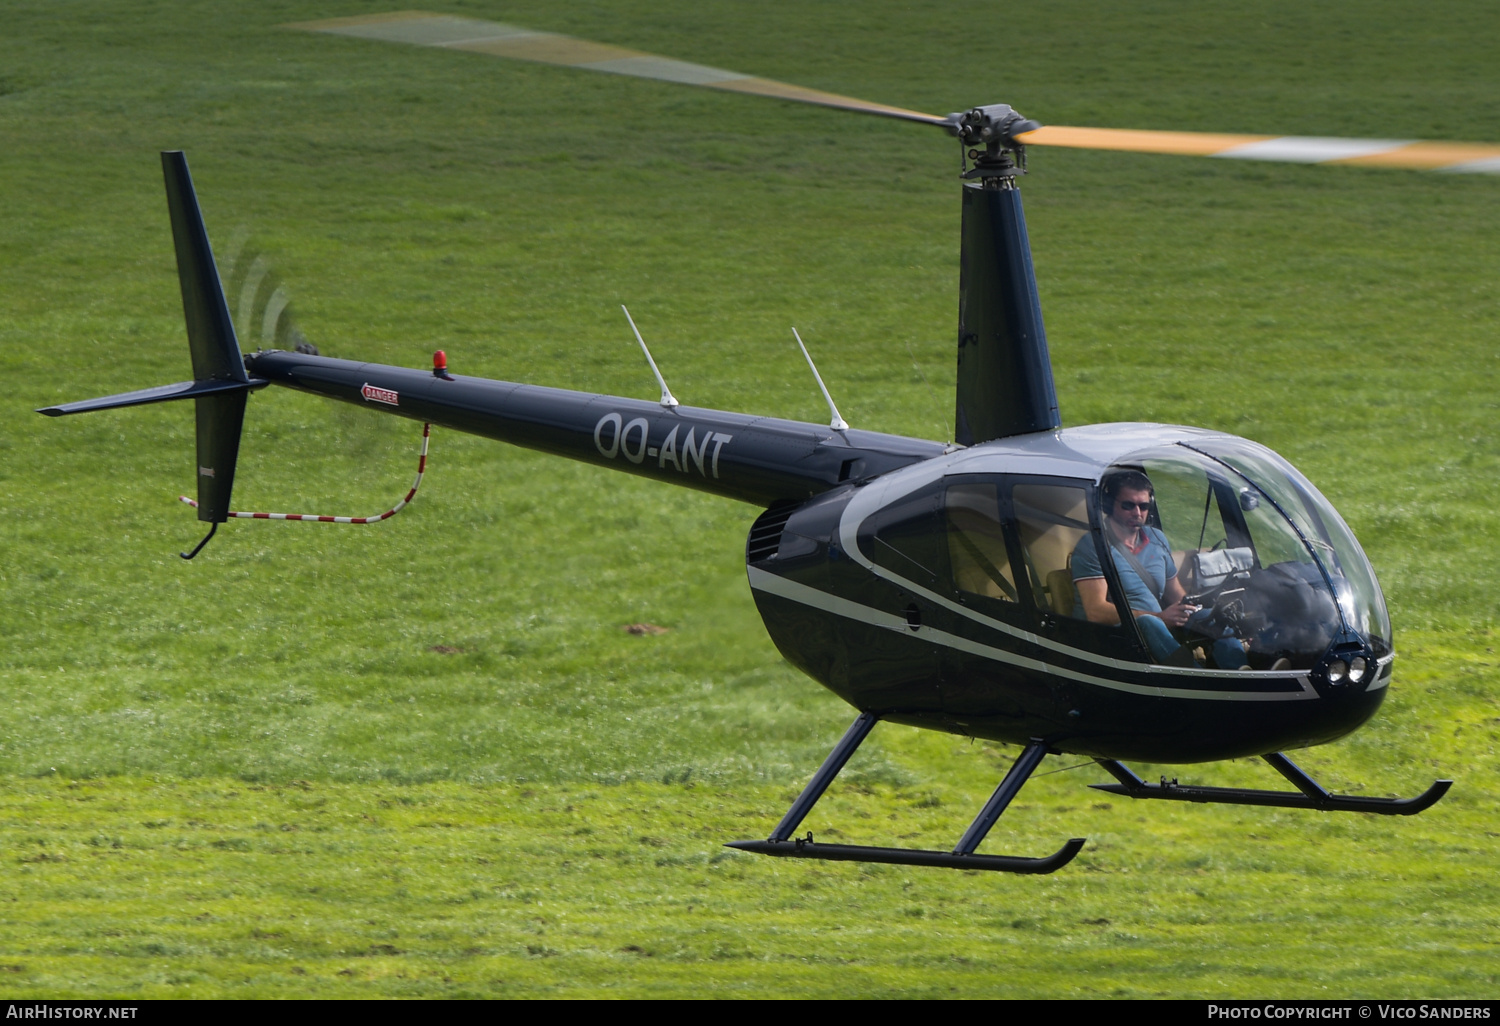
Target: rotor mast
1005 384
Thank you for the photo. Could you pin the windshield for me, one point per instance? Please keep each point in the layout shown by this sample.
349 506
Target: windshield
1268 572
1353 578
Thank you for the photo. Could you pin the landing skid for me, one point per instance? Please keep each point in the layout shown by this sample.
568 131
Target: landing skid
804 848
781 843
1311 794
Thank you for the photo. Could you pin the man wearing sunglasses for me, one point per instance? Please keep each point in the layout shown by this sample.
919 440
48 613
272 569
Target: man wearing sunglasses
1146 571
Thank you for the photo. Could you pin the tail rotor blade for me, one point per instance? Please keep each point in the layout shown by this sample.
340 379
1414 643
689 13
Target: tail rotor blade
260 300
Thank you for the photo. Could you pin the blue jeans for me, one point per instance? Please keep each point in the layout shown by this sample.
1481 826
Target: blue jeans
1229 654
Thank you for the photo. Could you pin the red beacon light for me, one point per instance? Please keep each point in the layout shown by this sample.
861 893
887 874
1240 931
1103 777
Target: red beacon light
440 366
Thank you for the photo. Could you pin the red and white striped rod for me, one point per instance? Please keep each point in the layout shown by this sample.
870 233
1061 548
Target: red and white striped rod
421 469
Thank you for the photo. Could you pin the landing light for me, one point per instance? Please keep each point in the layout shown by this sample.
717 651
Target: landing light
1358 667
1337 671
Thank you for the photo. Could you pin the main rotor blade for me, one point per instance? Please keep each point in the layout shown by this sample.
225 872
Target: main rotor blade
450 32
1295 149
447 31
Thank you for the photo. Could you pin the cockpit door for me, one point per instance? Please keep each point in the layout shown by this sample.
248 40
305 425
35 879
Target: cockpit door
982 552
1053 520
1010 543
1010 547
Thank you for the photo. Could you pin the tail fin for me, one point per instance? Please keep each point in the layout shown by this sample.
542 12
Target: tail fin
220 382
216 351
211 339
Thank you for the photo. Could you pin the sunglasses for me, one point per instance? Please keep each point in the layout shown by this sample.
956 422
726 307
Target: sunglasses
1144 507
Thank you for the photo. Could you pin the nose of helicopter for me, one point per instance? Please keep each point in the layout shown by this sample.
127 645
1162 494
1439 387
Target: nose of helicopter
1352 666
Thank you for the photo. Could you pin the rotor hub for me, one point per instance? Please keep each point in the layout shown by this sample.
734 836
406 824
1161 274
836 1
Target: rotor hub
995 128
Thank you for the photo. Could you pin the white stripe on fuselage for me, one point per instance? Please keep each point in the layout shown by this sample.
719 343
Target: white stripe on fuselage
771 584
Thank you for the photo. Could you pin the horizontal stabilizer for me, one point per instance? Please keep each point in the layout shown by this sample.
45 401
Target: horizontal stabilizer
159 394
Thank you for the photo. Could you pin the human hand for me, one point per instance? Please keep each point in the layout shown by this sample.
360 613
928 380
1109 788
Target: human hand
1177 614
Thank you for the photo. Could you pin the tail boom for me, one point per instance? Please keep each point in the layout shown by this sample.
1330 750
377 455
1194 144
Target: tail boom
756 459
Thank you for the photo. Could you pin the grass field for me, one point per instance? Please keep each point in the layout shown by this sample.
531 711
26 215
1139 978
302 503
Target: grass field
424 759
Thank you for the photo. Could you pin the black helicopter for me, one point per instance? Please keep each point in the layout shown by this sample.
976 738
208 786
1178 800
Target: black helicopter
932 584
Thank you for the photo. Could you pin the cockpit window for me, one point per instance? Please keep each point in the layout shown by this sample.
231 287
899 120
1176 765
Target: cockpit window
1266 573
1353 578
976 543
1186 508
907 538
1051 519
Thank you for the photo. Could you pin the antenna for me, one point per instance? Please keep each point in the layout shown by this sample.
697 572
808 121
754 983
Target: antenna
667 400
837 423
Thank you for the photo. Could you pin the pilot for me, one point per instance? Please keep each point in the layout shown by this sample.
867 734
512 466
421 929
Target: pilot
1146 570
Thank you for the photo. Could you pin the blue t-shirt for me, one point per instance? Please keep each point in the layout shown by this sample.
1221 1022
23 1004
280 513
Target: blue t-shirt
1155 559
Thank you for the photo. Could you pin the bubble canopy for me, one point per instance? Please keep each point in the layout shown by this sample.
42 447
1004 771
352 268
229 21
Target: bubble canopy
1265 554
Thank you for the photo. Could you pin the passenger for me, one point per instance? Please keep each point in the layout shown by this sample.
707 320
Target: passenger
1146 570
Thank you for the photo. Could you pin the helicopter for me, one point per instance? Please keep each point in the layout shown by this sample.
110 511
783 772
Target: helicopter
931 584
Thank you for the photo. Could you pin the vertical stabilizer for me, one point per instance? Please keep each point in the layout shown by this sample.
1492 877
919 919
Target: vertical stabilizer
216 351
1004 372
211 338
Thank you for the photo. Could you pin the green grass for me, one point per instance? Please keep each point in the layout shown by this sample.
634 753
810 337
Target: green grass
215 888
255 775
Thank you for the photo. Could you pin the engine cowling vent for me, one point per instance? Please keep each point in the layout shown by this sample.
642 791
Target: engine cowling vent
765 533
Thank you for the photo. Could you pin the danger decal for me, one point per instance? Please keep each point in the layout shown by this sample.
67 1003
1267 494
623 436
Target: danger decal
380 395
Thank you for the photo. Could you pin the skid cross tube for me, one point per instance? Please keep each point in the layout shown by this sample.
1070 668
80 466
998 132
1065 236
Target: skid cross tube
1312 794
782 844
